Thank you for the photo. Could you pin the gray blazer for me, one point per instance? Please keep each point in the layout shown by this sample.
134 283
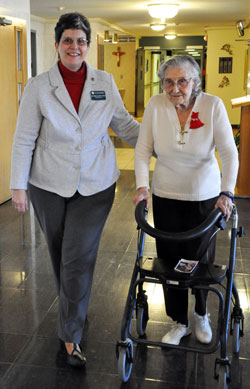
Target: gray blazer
59 150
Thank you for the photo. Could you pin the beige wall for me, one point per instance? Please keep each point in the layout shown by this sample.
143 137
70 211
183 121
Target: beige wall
37 25
216 39
124 74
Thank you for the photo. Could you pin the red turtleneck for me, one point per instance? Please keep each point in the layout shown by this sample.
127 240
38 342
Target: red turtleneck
74 82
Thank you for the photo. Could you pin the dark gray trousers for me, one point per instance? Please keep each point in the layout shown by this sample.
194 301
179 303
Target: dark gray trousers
72 228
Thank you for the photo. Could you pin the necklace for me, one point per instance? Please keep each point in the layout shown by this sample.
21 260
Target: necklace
183 114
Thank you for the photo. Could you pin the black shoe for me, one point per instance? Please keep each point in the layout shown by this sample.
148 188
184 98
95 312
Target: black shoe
76 358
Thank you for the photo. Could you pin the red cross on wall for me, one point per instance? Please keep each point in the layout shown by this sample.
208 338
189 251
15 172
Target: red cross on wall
118 54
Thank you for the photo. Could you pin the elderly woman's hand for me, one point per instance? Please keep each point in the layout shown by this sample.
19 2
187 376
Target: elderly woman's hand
20 200
142 194
226 205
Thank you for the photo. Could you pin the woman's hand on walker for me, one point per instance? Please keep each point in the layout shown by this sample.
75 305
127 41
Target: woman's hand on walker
142 194
226 205
20 200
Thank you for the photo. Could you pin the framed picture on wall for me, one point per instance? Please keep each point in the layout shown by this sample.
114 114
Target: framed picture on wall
225 64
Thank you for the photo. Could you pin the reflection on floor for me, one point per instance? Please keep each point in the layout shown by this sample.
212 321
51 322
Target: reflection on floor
29 356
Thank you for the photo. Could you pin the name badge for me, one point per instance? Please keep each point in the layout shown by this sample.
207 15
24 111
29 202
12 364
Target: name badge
98 95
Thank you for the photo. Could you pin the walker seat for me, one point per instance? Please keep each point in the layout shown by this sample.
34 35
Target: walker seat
203 273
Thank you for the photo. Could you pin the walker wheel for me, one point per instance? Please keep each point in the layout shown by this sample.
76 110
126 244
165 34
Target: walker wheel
125 360
236 338
142 319
223 377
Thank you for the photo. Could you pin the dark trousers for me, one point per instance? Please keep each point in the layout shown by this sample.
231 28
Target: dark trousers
72 228
178 216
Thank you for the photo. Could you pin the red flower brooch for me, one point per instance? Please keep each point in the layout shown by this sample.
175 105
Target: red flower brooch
195 121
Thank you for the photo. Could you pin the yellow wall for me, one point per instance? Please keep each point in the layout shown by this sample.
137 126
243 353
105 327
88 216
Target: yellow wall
216 39
124 74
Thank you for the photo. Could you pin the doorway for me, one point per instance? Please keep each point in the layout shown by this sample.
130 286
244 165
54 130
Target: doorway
13 76
147 80
33 54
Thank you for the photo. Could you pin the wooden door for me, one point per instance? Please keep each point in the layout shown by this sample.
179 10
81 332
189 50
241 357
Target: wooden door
13 76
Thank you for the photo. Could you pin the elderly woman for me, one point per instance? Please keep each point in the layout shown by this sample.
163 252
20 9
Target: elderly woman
63 155
184 126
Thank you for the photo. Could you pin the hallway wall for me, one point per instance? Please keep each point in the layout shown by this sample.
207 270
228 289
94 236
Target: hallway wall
124 74
228 38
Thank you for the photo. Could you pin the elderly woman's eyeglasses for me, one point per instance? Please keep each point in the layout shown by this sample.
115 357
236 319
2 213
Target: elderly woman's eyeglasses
80 41
181 83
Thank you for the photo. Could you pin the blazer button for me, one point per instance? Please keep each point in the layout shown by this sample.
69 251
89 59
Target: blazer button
78 148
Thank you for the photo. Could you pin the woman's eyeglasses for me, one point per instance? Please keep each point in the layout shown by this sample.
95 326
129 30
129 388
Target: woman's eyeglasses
181 83
80 42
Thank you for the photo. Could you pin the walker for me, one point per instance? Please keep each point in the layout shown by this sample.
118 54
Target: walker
155 270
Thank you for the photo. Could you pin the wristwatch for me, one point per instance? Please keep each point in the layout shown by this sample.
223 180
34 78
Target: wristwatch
228 194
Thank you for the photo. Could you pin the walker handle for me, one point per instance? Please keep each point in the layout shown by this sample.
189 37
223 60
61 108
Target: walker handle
215 215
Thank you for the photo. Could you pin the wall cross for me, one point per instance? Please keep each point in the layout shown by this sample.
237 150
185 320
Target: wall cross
118 54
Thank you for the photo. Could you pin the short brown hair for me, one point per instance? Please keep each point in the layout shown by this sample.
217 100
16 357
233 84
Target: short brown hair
72 21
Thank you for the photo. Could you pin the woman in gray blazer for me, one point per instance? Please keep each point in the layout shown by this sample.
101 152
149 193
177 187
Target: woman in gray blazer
62 153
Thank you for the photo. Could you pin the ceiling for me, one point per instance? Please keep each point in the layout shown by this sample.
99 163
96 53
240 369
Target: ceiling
132 17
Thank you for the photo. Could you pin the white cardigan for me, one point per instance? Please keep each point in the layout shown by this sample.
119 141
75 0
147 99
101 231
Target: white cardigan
186 171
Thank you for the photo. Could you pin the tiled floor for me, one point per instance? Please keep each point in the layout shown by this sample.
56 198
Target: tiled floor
29 350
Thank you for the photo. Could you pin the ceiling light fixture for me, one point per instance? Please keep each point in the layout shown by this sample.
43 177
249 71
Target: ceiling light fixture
106 36
157 26
170 36
165 11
